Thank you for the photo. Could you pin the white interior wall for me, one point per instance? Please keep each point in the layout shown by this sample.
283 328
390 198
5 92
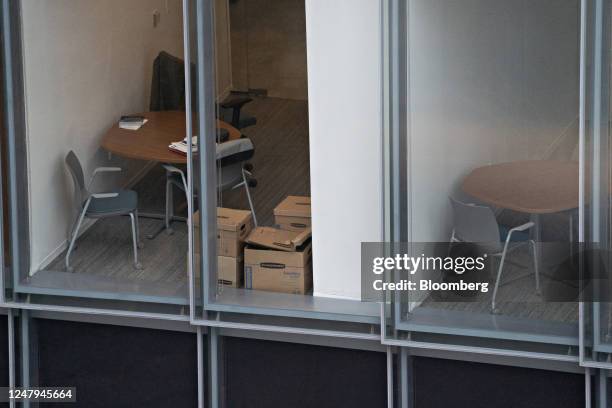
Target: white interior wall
344 102
86 62
490 81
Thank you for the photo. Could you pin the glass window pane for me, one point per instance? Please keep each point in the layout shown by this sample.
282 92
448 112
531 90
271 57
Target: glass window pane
104 100
493 161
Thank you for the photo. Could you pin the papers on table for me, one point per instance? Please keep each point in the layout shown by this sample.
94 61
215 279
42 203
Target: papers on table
181 147
132 122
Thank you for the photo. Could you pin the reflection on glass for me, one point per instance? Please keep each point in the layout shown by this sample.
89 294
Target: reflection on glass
494 136
262 156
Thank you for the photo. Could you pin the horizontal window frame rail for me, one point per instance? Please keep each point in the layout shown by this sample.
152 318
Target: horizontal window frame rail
512 335
94 311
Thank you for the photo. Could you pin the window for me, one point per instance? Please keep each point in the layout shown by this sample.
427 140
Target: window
86 188
317 131
489 147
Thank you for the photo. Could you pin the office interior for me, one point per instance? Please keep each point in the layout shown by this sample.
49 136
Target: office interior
494 139
262 100
500 104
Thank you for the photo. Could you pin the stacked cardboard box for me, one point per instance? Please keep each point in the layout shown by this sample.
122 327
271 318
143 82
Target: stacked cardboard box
293 213
278 260
233 226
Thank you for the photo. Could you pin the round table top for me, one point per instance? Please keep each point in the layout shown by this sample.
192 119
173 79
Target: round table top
533 187
151 141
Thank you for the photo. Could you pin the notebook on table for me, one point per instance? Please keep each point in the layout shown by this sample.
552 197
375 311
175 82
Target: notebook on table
132 122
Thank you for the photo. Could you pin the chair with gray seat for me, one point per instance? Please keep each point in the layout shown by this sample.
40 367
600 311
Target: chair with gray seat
477 224
100 205
233 172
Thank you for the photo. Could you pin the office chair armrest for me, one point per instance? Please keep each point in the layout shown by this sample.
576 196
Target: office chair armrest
521 228
104 195
235 103
172 169
176 170
101 170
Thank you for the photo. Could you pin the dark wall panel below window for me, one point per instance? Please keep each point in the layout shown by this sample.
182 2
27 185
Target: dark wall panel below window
114 366
4 364
449 383
274 374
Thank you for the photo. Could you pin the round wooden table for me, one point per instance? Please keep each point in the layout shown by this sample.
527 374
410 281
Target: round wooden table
151 141
532 187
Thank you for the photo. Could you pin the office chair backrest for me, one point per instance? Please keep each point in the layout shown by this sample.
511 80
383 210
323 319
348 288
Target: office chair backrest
475 223
76 171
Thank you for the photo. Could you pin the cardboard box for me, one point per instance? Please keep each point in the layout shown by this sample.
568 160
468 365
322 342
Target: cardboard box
293 213
233 226
278 260
229 270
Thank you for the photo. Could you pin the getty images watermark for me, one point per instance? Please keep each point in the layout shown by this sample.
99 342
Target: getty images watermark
443 271
423 268
415 266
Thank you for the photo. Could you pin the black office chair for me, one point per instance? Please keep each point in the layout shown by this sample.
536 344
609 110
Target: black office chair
168 92
230 111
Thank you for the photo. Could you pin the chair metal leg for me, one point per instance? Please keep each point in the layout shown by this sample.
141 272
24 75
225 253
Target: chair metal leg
169 205
536 268
494 309
168 213
140 243
245 181
137 264
73 237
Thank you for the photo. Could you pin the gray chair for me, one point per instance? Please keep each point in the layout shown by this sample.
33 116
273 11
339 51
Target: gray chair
100 205
477 224
233 172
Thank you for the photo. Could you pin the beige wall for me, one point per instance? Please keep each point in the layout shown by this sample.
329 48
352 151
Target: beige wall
223 51
87 62
269 47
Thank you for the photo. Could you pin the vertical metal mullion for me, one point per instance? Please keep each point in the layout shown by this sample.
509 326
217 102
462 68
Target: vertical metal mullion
582 162
9 109
404 378
201 375
206 126
390 378
11 350
597 118
398 129
25 352
188 134
398 120
213 367
2 226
